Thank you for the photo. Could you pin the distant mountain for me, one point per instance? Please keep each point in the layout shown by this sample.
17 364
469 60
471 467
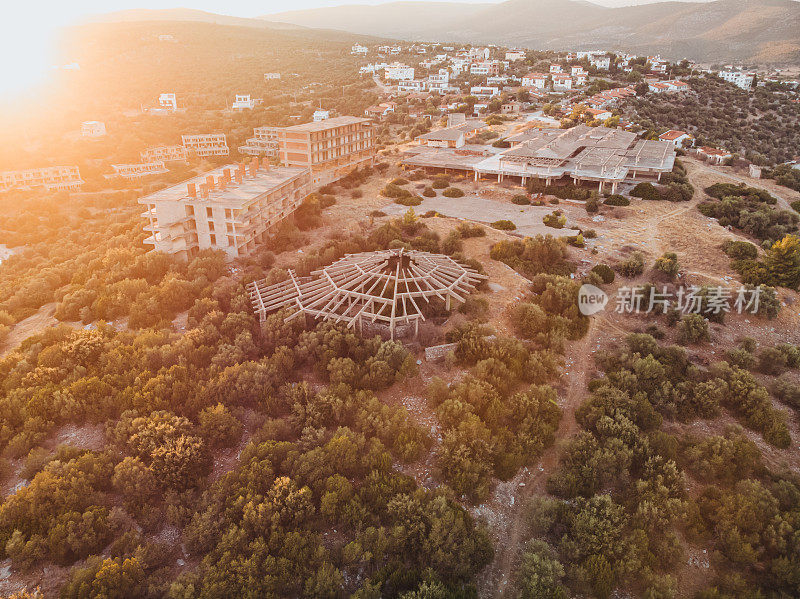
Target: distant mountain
766 31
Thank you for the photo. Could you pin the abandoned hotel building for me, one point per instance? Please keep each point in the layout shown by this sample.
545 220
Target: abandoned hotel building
585 154
233 208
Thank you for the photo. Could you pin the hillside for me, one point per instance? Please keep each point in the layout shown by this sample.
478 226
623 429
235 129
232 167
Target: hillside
725 30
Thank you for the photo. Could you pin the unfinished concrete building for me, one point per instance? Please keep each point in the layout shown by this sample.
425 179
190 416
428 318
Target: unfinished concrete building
585 154
263 143
331 148
52 178
387 288
231 208
206 144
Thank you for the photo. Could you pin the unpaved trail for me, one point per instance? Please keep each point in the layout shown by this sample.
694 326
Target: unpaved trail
533 483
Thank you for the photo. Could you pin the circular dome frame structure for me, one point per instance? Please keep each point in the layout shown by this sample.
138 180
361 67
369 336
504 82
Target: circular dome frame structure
386 287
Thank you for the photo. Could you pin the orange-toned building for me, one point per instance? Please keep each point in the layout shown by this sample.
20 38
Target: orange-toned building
331 148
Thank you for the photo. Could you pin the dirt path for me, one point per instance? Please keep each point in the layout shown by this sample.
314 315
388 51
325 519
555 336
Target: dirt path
35 323
498 578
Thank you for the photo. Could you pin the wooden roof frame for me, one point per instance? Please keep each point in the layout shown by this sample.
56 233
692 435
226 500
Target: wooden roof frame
386 286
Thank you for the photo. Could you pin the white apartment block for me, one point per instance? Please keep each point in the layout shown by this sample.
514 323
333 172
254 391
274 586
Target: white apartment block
413 85
271 76
398 72
93 129
137 171
600 62
515 55
164 154
740 79
168 101
562 82
581 79
556 68
537 80
231 208
245 102
206 144
263 143
358 49
577 70
52 178
483 91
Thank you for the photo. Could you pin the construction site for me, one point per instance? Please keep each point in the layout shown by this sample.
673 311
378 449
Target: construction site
585 154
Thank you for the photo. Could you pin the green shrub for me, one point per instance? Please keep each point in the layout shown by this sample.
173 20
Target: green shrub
521 200
668 264
429 192
555 219
693 328
590 233
592 206
646 191
409 200
740 250
605 272
633 266
399 181
440 183
504 225
453 192
617 200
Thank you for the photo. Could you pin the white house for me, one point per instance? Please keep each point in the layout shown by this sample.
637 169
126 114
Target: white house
562 82
271 76
358 49
412 85
398 72
741 79
483 91
168 101
515 55
577 70
599 114
93 129
600 62
245 102
675 137
556 68
321 115
537 80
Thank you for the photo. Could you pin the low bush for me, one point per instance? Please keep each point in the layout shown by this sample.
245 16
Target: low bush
617 200
521 200
409 200
555 219
504 225
453 192
632 267
429 192
605 272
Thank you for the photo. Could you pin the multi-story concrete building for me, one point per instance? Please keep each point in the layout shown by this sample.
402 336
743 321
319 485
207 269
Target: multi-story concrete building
206 144
602 63
484 91
490 68
164 154
231 208
515 55
93 129
137 171
741 79
562 82
263 143
52 178
330 148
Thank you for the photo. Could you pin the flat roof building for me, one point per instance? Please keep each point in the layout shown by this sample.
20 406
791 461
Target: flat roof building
52 178
331 148
93 129
583 153
230 208
137 171
206 144
263 143
164 153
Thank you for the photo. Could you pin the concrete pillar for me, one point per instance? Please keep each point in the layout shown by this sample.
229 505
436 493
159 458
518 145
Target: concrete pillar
547 182
600 187
614 187
476 175
659 177
499 177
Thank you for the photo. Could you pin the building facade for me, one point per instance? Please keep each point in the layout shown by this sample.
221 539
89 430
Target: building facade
52 178
231 208
331 148
206 144
164 154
